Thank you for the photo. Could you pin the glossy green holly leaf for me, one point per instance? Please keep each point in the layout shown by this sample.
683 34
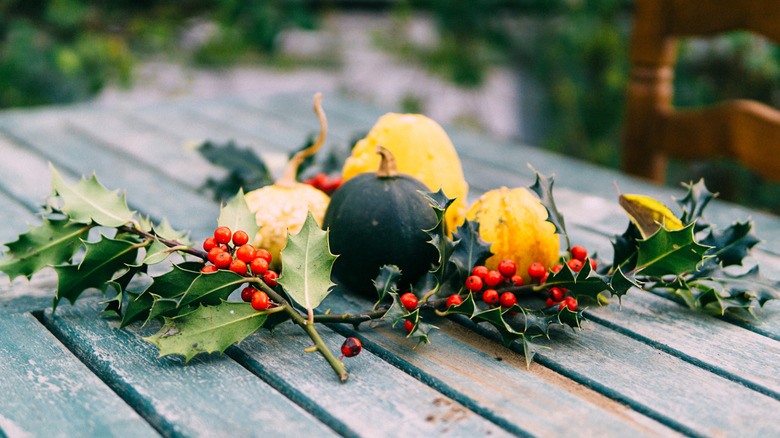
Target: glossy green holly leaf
694 203
624 248
538 322
211 288
52 243
156 252
529 350
732 245
386 281
175 282
274 319
137 308
438 275
236 215
164 230
307 265
750 285
468 307
470 249
420 330
586 282
495 318
439 202
396 312
543 187
670 252
113 305
119 285
102 260
162 307
88 201
207 329
620 283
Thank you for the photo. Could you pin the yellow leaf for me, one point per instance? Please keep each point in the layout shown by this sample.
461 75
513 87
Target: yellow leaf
648 214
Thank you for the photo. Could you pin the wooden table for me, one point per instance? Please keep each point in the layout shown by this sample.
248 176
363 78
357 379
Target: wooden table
652 368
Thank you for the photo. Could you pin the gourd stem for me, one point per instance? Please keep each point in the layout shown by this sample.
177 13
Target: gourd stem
387 166
288 179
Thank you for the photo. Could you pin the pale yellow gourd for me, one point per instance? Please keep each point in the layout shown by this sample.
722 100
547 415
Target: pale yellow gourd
281 208
514 222
421 149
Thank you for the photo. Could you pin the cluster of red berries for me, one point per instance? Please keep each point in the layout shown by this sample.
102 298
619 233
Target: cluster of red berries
232 251
486 281
325 183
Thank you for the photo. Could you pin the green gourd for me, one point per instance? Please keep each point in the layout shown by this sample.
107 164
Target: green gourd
377 219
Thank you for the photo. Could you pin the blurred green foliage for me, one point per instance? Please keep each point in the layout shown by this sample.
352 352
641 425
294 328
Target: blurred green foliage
58 51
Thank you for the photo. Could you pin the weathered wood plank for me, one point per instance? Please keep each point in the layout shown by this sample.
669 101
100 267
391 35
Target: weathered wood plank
210 396
46 391
21 296
378 399
533 402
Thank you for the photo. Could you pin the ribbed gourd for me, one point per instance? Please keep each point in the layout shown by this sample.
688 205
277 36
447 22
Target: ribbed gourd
376 219
282 208
422 150
514 222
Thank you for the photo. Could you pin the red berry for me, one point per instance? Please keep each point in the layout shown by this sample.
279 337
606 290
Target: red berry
408 326
493 278
557 268
454 300
571 303
270 278
593 264
490 296
318 181
263 254
247 293
508 299
224 247
351 347
245 253
260 300
213 252
223 260
209 243
409 301
258 266
517 280
537 270
332 184
238 267
544 277
208 268
507 268
240 238
474 283
550 302
575 265
579 252
222 235
480 271
556 294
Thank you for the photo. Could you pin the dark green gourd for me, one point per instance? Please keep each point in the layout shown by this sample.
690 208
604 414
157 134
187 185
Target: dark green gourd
376 219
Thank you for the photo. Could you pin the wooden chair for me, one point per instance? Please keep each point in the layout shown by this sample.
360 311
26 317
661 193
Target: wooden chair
745 131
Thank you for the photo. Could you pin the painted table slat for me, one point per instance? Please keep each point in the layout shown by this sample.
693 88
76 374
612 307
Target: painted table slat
46 391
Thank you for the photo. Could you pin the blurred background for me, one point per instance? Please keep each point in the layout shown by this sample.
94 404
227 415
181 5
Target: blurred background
551 73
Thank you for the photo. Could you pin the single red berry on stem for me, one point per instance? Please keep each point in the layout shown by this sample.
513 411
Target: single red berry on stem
208 268
517 280
409 301
238 267
454 300
557 268
537 270
247 293
493 278
507 268
556 294
263 254
490 296
258 266
260 300
270 278
571 303
223 260
209 243
579 252
508 299
474 283
222 235
480 271
246 253
240 237
575 265
351 347
408 326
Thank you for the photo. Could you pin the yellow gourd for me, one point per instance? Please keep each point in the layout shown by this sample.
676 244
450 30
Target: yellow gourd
282 208
421 149
514 222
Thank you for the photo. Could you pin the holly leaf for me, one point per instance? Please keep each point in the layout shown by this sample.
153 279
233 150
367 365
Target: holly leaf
470 249
751 285
156 252
167 232
420 330
162 307
620 284
175 282
543 188
586 282
307 265
694 203
119 285
439 239
396 312
236 215
439 202
495 318
732 245
540 321
468 307
245 168
88 201
52 243
386 281
207 329
670 252
211 288
137 308
101 261
624 248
